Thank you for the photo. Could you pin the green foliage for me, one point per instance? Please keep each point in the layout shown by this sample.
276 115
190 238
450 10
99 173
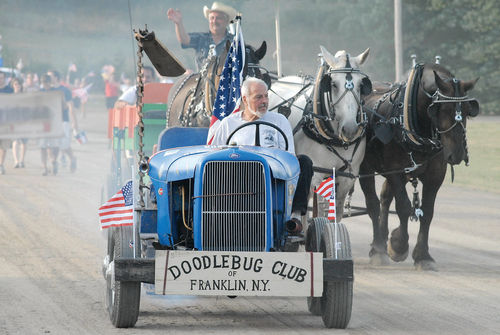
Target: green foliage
467 36
483 172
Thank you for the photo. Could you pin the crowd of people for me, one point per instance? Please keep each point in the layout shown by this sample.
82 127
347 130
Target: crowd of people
75 92
75 89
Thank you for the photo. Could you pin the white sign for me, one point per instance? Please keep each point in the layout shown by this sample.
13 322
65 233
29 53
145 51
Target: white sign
31 115
239 273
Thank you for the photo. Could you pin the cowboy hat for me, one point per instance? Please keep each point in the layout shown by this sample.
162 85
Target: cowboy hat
220 7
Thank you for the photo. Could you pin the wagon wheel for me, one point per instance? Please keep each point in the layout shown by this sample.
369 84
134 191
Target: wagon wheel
336 302
313 240
122 298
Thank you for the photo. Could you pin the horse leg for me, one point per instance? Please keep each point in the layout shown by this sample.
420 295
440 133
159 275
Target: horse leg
378 251
386 197
421 257
398 243
345 185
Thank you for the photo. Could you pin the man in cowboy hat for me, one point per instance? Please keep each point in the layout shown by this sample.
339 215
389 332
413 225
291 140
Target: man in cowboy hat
218 16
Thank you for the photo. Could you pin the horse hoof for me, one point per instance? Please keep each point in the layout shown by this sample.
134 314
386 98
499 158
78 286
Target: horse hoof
379 259
395 256
425 265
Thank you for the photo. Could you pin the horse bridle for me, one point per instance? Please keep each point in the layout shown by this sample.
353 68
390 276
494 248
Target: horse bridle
440 98
349 88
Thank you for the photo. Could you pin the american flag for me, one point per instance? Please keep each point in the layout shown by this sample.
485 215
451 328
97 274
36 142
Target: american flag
228 96
327 190
119 210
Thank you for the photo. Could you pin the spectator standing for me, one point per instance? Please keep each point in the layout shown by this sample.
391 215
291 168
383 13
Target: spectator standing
49 146
4 84
129 97
68 118
18 145
111 89
29 84
4 144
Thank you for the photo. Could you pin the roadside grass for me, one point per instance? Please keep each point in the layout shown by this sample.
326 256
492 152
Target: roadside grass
483 138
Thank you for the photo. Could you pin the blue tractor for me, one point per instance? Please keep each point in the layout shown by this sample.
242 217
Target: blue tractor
215 220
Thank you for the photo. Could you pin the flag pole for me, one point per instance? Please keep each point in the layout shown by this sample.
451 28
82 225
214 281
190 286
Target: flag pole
278 38
335 218
134 225
239 37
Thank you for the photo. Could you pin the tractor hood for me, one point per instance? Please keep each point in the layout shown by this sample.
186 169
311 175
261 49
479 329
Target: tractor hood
180 163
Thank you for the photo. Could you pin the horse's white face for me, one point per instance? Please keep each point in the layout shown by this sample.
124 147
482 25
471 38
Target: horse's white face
345 90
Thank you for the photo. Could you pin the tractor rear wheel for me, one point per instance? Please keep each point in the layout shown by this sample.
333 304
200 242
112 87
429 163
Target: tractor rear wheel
313 241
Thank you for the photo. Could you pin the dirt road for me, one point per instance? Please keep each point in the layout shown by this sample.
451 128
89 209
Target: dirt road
52 250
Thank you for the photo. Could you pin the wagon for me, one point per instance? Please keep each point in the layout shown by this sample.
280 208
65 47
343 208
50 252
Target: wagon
123 134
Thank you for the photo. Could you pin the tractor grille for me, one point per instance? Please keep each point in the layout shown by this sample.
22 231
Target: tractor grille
234 206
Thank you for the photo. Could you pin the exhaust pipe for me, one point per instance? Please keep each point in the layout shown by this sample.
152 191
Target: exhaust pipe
144 166
294 226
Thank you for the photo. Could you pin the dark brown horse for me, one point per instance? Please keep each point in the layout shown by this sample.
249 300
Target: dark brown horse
415 130
191 98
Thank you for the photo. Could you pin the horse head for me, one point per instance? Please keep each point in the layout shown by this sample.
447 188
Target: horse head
252 58
341 88
447 107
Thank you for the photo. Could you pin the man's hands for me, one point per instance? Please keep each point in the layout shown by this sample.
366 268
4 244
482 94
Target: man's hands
174 15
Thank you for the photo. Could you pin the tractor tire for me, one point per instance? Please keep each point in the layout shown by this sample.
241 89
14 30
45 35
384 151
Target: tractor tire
313 241
336 302
122 298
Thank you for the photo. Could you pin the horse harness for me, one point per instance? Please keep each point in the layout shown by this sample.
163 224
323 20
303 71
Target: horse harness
185 118
320 109
403 117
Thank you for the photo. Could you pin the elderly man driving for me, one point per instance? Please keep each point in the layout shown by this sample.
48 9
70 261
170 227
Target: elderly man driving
255 101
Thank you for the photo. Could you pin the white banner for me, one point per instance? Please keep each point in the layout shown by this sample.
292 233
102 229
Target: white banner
31 115
239 273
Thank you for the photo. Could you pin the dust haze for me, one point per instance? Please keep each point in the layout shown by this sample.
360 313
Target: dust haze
93 33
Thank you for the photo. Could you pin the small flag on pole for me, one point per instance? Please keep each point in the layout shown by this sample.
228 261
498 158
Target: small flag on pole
327 190
119 210
228 96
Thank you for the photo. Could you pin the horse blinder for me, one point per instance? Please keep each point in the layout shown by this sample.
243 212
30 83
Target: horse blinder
267 79
325 83
474 108
366 86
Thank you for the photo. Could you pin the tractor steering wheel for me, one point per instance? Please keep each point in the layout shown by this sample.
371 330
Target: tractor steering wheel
257 132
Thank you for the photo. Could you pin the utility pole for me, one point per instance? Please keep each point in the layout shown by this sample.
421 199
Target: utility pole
398 39
278 38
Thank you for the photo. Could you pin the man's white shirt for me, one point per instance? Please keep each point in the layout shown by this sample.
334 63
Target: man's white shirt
269 137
